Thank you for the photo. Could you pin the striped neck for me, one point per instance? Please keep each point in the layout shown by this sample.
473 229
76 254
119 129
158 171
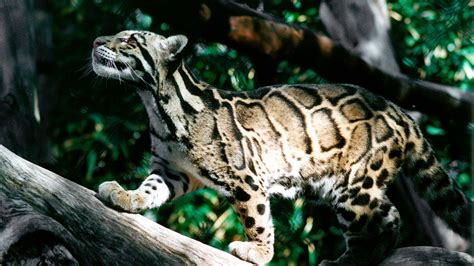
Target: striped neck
174 104
182 92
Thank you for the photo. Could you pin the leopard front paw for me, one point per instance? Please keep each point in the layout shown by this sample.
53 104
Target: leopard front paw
111 192
253 252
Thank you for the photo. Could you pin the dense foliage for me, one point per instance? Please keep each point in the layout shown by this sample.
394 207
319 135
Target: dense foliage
98 127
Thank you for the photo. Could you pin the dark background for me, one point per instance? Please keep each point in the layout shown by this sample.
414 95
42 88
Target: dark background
57 113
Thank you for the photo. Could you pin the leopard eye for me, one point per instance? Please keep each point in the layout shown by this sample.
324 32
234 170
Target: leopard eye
132 41
123 40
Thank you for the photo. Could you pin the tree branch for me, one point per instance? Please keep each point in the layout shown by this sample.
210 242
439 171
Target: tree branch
427 256
45 218
34 201
263 35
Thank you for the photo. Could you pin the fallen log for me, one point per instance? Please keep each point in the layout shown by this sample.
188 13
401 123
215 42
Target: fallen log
45 218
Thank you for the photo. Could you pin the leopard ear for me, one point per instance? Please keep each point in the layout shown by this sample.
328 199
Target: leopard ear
173 45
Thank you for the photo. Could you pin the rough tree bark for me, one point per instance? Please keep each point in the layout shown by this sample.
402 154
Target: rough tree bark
262 35
40 211
45 218
361 27
420 256
20 128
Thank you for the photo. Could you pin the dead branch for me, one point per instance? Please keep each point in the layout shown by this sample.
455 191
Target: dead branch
44 216
264 36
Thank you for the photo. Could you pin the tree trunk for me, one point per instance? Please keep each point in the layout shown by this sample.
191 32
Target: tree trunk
19 106
361 27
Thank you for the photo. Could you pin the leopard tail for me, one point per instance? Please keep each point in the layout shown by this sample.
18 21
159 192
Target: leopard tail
440 191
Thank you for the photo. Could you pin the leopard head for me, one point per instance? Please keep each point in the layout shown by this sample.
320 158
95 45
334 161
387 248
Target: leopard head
138 56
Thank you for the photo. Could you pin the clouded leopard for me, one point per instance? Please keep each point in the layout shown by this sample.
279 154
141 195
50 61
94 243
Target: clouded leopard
340 142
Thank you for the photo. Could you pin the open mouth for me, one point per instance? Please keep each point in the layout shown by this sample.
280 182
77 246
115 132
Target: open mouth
100 60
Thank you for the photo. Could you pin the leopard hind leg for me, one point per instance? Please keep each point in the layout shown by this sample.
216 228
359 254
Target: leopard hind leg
370 230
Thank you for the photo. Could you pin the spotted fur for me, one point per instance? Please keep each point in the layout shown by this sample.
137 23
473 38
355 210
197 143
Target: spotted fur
340 142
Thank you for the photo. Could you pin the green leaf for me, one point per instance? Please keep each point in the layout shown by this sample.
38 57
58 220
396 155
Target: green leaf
464 179
435 131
